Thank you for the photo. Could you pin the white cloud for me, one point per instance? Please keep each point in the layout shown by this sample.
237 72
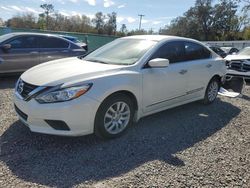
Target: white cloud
120 19
74 13
5 8
64 13
121 6
74 1
145 21
32 10
91 2
156 22
108 3
166 18
16 8
91 16
131 19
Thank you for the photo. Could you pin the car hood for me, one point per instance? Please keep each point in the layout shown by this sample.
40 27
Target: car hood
66 70
237 57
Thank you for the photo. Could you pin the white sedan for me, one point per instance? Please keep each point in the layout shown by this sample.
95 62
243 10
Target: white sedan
121 82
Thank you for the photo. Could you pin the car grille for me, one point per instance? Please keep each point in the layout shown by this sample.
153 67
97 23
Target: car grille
239 66
20 113
24 88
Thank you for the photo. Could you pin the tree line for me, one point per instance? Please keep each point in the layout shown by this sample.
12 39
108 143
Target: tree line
206 20
209 21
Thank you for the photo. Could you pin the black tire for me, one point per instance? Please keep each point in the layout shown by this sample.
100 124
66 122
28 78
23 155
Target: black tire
207 99
99 127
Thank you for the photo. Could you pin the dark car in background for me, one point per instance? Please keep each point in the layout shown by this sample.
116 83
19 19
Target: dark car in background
230 50
218 51
21 51
75 40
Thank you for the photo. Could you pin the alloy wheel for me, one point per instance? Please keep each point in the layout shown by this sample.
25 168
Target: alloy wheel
117 117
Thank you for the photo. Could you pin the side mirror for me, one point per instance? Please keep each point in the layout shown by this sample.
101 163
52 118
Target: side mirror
6 47
158 63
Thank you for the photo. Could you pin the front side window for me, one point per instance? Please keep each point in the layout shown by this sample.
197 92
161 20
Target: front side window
173 51
121 51
53 42
194 51
24 42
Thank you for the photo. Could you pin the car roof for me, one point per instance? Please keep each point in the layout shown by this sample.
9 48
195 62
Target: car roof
31 33
157 38
68 36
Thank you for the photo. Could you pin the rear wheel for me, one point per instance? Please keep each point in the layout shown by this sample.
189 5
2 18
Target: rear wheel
114 116
211 91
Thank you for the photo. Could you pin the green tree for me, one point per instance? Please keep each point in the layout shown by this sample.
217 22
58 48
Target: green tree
99 22
205 21
123 30
110 25
26 20
48 9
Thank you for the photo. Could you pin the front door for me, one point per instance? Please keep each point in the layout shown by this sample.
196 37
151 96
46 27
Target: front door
165 86
23 54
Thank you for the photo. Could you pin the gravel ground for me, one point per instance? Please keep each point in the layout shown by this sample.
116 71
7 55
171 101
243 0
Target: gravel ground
189 146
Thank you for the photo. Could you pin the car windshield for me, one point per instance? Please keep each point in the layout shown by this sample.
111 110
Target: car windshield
5 37
245 51
121 51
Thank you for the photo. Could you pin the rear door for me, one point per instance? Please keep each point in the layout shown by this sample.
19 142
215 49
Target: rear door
200 67
23 54
52 48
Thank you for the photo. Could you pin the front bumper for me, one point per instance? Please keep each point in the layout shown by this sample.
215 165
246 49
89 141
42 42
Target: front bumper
78 115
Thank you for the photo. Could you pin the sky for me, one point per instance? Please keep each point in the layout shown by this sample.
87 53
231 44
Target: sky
158 13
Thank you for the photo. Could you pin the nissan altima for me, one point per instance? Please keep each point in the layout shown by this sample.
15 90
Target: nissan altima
116 85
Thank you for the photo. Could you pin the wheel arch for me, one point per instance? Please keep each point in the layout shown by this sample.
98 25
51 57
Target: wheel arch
217 77
124 92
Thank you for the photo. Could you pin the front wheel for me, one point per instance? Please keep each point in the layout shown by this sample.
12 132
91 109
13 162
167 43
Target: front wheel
114 116
211 91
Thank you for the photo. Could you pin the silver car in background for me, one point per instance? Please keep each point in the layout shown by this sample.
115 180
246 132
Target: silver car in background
21 51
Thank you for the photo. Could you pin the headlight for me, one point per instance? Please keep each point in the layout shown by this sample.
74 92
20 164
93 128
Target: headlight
64 94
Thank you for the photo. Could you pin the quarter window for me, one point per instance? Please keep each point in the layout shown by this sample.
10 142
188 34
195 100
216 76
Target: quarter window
195 51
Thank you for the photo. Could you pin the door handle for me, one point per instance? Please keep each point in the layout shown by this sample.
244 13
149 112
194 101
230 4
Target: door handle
209 65
183 71
34 52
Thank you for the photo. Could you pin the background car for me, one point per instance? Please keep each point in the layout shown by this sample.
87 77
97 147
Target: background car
230 50
218 51
75 40
121 82
20 51
239 64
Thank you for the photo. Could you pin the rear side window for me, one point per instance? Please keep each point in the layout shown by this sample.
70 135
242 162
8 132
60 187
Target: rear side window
195 51
24 42
173 51
52 42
